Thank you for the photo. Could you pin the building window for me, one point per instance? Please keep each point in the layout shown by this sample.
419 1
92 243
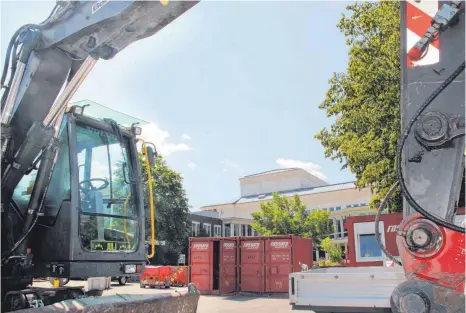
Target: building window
195 229
207 229
237 229
244 230
338 208
368 247
217 230
227 230
338 228
332 209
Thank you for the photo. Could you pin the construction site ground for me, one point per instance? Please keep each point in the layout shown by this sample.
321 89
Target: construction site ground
207 304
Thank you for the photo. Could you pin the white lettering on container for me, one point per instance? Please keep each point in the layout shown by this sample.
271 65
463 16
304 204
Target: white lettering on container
201 246
279 244
228 245
251 245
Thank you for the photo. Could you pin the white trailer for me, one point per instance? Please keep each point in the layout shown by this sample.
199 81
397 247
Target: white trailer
345 289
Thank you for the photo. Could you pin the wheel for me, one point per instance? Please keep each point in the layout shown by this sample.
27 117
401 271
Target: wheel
122 280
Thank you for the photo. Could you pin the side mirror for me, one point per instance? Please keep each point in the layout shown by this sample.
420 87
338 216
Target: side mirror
151 156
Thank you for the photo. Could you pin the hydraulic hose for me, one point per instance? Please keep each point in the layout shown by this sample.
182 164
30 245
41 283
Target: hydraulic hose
377 220
404 190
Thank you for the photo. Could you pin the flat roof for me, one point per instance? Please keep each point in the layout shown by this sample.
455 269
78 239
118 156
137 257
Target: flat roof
279 170
299 192
290 193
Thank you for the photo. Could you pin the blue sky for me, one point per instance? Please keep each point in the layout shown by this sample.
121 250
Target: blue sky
232 88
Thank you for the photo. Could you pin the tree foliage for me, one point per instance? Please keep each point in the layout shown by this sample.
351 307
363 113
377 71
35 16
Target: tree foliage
284 216
171 211
365 100
334 253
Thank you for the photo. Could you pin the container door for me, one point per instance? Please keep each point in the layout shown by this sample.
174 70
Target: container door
201 265
252 266
279 264
228 266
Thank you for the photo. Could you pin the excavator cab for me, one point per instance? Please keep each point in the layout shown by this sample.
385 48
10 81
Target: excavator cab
72 199
92 221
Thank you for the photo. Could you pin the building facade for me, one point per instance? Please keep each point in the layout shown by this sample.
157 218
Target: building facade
205 224
342 200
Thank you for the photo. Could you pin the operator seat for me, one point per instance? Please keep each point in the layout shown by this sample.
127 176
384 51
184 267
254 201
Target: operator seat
97 206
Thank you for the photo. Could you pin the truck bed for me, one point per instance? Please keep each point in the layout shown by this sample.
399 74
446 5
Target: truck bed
345 289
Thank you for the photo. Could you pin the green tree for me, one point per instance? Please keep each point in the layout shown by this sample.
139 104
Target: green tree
283 216
171 211
365 100
333 251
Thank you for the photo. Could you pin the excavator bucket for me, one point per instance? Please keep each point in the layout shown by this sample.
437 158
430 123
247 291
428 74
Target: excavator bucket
181 302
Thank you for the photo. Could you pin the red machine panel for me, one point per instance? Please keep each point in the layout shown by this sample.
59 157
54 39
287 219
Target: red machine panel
228 266
201 265
252 265
279 264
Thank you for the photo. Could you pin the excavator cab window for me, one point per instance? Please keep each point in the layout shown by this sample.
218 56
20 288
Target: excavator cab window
109 215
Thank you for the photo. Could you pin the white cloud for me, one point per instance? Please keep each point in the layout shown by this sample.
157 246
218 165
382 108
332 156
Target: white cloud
192 165
312 168
229 165
152 133
186 137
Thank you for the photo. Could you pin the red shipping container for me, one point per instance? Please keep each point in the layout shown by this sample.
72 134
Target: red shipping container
213 263
201 260
255 264
252 264
284 256
228 266
266 262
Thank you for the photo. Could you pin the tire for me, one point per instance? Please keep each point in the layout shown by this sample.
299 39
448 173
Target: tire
122 280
